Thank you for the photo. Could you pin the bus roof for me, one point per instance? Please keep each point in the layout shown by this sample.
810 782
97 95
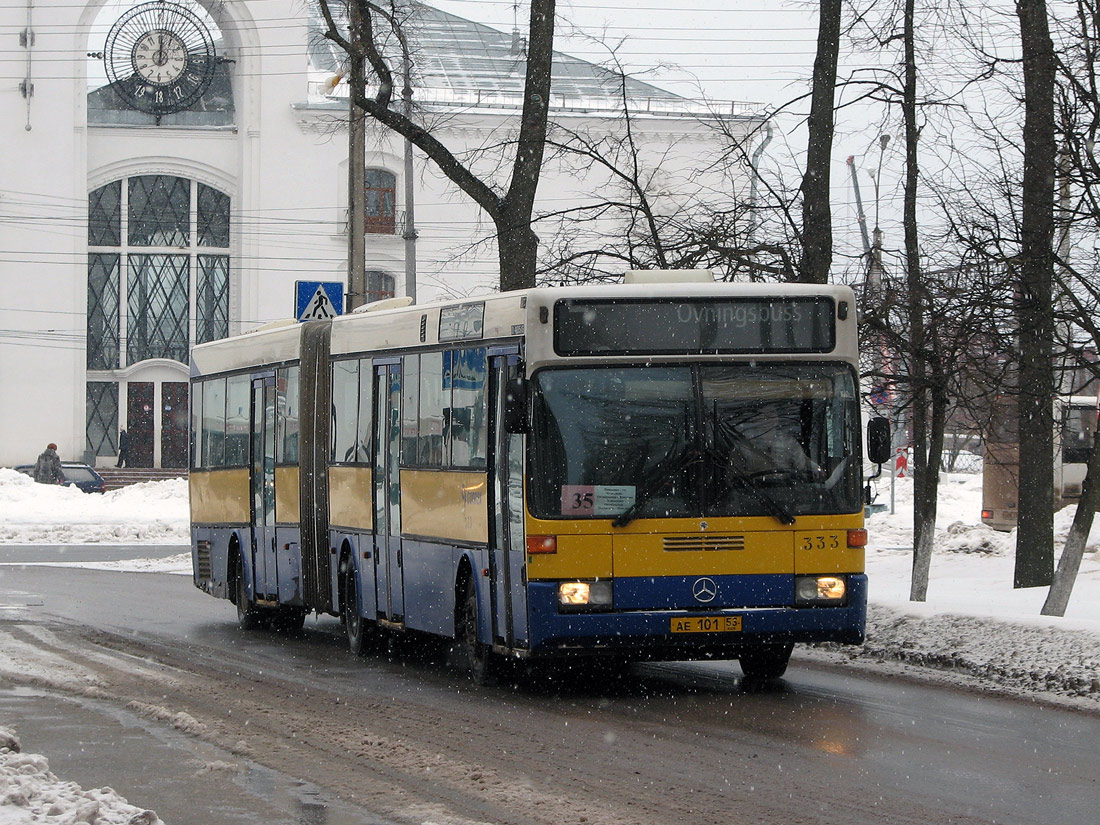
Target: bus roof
491 317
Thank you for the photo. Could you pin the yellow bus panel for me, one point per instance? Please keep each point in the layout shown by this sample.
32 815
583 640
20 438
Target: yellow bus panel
349 497
287 502
826 551
219 496
679 547
446 505
577 557
713 553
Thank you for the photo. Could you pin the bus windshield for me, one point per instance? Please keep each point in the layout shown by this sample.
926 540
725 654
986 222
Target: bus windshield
695 441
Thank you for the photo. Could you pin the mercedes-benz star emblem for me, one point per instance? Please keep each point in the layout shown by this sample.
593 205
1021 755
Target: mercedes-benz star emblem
704 590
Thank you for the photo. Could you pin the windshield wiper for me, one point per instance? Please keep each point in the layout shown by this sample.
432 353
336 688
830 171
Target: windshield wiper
774 508
661 474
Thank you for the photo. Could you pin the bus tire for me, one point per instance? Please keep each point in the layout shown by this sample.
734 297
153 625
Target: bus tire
249 617
766 662
354 623
477 658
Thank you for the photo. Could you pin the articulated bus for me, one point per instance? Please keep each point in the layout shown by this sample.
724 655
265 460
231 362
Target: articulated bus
548 473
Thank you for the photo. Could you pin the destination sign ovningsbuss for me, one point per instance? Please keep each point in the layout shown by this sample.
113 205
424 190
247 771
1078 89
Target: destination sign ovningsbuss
733 325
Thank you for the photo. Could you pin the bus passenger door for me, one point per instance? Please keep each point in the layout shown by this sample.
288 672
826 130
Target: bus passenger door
265 575
387 492
507 545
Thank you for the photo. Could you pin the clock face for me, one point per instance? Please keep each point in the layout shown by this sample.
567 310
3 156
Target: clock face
159 57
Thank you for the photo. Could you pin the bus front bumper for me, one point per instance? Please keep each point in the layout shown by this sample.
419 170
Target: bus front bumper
664 634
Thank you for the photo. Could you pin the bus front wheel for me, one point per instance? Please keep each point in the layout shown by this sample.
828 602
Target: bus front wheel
477 657
764 663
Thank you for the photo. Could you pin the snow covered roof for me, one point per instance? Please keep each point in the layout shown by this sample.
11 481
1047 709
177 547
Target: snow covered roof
459 61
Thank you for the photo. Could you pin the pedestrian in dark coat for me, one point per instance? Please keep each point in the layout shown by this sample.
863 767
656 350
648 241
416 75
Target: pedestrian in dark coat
123 449
47 470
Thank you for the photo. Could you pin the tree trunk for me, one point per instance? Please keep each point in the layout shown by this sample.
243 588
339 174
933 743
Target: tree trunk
512 212
926 491
1070 561
1034 306
817 225
518 250
925 472
518 243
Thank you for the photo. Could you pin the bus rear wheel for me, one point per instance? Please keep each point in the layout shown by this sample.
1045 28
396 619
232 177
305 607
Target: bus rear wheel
354 623
477 658
764 663
249 617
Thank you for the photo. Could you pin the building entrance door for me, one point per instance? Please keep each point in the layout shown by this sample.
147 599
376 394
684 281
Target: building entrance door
173 424
139 422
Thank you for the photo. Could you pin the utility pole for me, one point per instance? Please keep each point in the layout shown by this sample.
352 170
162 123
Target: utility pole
357 154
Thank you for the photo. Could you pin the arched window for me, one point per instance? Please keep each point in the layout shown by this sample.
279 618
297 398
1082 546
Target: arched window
147 234
380 216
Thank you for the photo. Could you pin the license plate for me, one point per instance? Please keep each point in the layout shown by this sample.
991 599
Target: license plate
706 624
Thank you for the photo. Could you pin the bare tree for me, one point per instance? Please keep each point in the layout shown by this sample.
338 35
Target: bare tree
509 207
817 226
915 319
643 215
1078 275
1034 307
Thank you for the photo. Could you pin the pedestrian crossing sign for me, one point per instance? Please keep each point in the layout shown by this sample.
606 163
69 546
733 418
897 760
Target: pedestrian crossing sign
318 300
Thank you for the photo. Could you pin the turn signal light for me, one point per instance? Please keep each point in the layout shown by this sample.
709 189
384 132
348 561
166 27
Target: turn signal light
542 544
987 514
857 538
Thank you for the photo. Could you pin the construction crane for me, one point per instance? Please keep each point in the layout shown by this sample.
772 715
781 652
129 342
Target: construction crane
859 207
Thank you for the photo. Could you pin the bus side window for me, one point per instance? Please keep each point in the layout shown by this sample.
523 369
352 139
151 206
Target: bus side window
469 411
286 439
430 450
196 424
213 423
366 411
410 409
345 410
237 429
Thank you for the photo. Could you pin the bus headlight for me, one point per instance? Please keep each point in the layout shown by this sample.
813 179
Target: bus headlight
584 595
820 589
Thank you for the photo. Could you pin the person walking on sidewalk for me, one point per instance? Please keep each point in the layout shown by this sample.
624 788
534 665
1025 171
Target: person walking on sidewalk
123 449
47 470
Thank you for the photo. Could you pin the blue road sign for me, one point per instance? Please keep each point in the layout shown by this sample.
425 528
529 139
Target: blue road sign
317 300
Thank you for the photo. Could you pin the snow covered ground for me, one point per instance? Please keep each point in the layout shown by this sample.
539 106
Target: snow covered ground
974 629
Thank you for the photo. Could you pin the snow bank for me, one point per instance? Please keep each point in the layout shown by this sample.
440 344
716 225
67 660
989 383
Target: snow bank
153 512
30 793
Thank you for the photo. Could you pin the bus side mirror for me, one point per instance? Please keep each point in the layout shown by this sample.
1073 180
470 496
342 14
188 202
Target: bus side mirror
515 406
878 440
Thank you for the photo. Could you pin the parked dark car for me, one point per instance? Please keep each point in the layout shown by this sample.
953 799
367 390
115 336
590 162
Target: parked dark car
76 475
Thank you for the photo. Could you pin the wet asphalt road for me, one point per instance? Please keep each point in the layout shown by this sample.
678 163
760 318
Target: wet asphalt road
958 756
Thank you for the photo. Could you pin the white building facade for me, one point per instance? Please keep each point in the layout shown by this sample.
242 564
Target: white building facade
129 235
